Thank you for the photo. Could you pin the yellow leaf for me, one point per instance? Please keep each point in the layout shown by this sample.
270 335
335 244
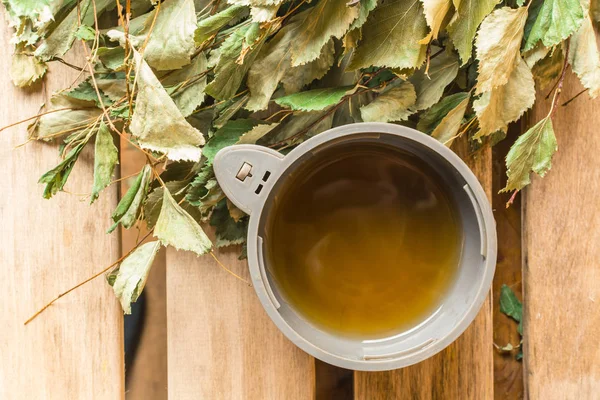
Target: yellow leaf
498 46
435 13
505 104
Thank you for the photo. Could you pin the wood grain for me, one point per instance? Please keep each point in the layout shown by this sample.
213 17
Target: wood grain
508 372
222 345
464 370
74 350
561 260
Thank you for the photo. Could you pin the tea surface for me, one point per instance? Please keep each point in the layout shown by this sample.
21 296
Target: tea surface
363 241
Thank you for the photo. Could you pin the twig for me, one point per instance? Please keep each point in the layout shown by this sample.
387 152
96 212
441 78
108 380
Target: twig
41 310
36 116
228 270
62 61
574 97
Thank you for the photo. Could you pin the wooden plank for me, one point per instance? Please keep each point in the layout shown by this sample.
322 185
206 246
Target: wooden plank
222 345
147 377
508 372
74 350
464 370
561 270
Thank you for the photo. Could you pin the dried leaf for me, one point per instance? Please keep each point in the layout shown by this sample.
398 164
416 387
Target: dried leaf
447 130
106 157
584 57
175 227
532 151
26 69
188 85
390 36
463 27
546 71
229 71
213 24
435 15
505 104
498 46
430 86
263 13
274 65
432 117
392 105
129 278
171 42
67 115
327 19
157 123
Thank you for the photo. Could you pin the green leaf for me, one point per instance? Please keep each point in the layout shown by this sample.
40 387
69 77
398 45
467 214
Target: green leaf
553 22
227 110
154 202
430 86
85 32
392 105
56 178
498 47
510 304
129 278
391 35
198 189
175 227
157 123
106 157
231 70
113 89
532 151
463 27
584 57
62 37
445 132
505 104
211 25
228 135
112 57
228 232
26 69
129 206
188 85
432 117
273 65
519 356
86 92
313 100
327 19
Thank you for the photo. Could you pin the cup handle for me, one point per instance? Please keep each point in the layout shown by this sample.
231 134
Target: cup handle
246 173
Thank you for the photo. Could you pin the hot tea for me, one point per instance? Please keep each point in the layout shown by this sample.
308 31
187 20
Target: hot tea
363 240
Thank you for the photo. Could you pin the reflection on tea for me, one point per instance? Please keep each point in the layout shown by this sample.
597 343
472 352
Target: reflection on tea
363 240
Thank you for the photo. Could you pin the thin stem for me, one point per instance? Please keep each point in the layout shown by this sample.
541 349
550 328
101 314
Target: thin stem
91 278
228 270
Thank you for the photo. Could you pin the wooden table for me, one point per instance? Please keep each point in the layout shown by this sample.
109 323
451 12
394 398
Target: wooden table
221 345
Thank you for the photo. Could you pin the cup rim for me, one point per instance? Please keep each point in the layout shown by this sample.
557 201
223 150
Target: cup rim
262 285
